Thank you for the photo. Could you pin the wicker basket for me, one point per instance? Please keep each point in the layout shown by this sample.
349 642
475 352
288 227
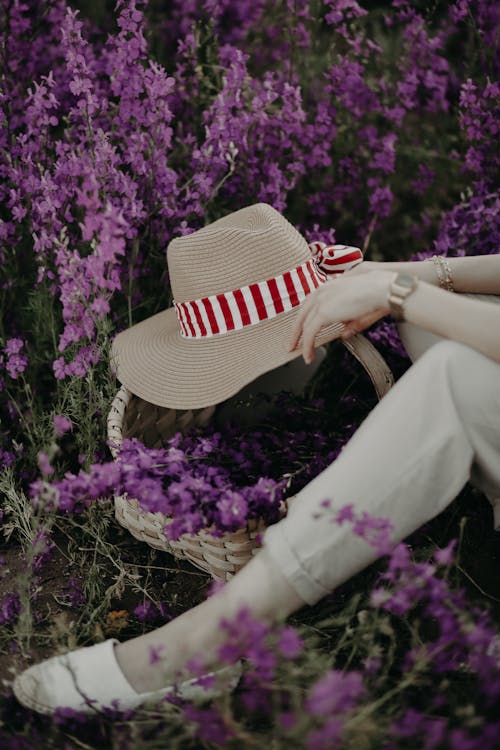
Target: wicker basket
223 556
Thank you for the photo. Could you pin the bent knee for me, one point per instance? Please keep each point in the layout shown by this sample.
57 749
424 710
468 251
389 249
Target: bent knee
472 378
452 354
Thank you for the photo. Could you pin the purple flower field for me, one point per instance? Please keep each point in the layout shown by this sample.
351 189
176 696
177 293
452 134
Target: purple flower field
122 126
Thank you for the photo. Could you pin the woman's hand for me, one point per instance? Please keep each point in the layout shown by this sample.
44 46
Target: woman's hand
355 299
366 266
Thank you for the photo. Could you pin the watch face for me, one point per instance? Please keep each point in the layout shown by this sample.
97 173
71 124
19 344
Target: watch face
406 280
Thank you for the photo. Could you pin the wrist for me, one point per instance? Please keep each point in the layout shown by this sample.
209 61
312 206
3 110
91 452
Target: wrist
401 286
384 280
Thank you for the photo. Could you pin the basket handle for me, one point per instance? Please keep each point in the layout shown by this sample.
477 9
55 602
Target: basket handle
373 362
115 419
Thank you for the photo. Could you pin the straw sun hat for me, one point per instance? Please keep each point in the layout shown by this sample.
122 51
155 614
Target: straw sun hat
237 286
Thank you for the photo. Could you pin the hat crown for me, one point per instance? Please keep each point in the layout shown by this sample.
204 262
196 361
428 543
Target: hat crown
249 245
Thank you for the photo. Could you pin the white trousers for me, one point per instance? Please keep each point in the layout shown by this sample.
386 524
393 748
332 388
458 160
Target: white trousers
437 428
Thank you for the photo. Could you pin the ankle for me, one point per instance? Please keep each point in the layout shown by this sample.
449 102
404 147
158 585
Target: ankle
146 666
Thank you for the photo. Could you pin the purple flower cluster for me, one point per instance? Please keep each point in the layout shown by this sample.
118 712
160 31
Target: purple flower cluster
432 732
75 187
208 724
409 585
7 458
214 479
195 494
479 115
147 611
15 362
471 641
61 425
471 227
263 647
332 698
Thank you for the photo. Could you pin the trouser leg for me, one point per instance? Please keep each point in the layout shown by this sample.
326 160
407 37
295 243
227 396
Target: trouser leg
438 426
416 341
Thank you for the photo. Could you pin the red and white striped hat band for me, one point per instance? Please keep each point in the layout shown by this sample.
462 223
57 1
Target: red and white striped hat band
237 309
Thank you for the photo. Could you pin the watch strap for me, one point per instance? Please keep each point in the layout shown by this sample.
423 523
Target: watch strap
402 285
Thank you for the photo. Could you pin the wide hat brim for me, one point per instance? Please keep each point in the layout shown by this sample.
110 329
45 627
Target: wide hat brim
155 362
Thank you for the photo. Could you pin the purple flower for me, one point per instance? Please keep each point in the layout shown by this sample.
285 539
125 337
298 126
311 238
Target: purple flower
13 346
375 531
155 654
288 720
326 738
43 548
459 10
430 731
59 368
346 513
209 724
16 362
343 10
61 425
7 458
424 179
289 642
335 693
446 555
381 200
64 716
44 464
233 510
147 611
384 158
10 609
255 694
73 593
379 597
249 638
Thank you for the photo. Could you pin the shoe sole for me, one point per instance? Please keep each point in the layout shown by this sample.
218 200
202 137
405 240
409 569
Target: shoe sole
29 702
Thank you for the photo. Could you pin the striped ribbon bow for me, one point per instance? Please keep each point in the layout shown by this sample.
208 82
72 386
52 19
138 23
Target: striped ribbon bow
335 259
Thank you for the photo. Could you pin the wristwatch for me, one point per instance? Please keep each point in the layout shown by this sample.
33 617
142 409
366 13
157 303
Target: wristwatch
402 285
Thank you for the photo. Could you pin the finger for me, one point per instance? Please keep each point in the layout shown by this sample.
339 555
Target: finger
297 331
299 323
309 331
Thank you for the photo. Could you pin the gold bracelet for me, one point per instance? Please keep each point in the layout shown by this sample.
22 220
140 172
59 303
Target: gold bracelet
443 271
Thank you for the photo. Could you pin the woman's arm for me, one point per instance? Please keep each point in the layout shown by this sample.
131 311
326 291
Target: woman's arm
478 274
359 299
472 322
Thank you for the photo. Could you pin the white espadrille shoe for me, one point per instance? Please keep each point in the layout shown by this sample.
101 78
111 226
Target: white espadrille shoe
89 680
